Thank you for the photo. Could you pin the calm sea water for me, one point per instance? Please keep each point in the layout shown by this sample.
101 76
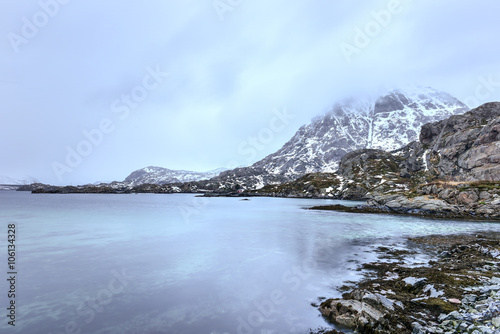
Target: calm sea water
181 264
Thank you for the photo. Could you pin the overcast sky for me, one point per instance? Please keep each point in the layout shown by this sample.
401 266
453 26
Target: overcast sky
92 90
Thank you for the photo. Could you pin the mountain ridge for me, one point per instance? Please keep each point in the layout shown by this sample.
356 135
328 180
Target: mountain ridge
387 122
161 175
10 183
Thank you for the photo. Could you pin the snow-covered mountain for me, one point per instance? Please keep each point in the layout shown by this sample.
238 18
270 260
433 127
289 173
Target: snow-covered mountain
9 183
159 175
13 181
387 122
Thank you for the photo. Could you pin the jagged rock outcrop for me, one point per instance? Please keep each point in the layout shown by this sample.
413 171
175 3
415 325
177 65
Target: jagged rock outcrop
358 163
465 147
411 159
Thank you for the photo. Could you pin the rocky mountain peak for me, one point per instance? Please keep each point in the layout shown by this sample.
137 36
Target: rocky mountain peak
387 122
426 99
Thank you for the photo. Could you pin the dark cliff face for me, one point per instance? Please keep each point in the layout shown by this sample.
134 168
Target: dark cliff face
411 159
465 147
477 117
354 162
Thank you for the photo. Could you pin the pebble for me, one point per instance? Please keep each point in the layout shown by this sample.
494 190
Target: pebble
479 314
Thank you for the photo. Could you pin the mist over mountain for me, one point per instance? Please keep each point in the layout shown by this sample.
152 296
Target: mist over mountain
387 122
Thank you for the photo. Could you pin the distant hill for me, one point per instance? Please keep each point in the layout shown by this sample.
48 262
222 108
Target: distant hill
9 183
159 175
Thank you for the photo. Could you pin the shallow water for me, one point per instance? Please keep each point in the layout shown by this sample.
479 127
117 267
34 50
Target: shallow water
182 264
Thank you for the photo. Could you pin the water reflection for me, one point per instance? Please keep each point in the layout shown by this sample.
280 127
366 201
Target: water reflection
233 266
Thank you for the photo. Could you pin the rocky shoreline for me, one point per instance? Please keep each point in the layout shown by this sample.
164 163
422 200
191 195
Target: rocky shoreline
457 291
451 200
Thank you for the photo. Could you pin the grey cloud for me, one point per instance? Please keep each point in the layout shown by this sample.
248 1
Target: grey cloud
225 79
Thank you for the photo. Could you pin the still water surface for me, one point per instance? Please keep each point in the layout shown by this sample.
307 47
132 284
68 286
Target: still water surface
180 264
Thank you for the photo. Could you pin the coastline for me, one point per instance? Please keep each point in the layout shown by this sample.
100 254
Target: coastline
478 200
416 212
457 291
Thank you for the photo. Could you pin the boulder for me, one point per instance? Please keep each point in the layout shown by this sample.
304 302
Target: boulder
351 313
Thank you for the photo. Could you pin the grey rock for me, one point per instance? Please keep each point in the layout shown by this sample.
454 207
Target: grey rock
469 299
454 316
442 317
351 313
418 328
378 300
465 146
